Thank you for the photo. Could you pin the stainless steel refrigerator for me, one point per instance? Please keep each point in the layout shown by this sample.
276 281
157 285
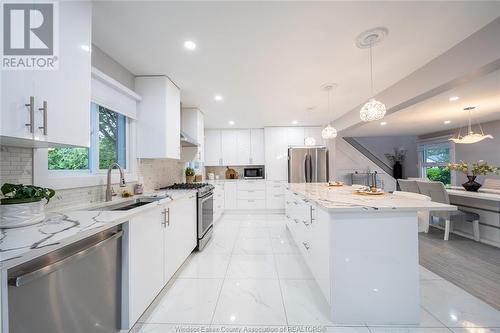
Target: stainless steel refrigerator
308 164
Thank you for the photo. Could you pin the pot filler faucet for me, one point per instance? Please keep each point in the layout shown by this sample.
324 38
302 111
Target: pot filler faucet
109 191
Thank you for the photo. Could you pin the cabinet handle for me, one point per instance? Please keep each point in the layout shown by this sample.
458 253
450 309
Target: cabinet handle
44 110
296 221
31 109
306 223
295 203
277 195
250 191
168 216
306 245
312 210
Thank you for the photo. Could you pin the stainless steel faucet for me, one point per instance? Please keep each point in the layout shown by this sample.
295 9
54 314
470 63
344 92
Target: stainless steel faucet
109 191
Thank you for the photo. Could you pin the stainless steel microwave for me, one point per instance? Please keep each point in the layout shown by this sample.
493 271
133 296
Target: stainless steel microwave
253 173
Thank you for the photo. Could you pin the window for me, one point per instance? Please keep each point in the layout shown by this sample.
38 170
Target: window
434 159
108 144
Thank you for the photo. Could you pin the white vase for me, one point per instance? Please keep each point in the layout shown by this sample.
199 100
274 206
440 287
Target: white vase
20 215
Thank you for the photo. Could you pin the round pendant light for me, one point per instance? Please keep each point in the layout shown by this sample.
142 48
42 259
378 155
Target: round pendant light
373 109
329 132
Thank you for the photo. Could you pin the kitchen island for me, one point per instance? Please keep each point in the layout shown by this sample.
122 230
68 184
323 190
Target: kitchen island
361 249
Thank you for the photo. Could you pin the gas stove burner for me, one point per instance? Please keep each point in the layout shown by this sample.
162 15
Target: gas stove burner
185 186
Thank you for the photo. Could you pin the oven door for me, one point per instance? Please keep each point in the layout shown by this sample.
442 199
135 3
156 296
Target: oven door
205 214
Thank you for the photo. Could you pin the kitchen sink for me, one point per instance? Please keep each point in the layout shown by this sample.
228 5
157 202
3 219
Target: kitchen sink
129 204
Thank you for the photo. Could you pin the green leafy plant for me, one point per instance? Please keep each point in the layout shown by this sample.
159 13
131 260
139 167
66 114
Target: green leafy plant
478 168
19 193
189 172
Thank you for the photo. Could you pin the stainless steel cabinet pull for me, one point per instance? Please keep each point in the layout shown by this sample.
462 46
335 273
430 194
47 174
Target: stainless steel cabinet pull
44 110
168 216
31 109
164 222
306 245
251 200
296 221
306 223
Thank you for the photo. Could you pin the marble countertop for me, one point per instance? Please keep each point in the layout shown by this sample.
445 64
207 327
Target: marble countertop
18 245
475 195
343 200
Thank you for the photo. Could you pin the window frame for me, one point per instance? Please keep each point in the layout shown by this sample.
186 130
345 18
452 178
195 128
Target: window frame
441 142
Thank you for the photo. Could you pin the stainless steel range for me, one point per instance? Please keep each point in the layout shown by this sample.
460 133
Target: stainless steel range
205 209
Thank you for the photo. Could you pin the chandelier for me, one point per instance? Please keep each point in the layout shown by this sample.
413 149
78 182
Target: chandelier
373 109
471 137
329 132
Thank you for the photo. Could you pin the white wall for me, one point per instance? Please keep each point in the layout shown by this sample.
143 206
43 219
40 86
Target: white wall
380 145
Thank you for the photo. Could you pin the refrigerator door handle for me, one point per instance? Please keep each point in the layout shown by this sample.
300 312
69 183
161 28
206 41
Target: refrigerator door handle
305 167
310 169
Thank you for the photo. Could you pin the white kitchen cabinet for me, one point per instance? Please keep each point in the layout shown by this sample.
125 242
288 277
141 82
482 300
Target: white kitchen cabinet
213 148
219 204
257 155
156 243
180 233
143 246
230 195
158 118
229 146
276 153
65 91
295 136
243 142
275 194
192 124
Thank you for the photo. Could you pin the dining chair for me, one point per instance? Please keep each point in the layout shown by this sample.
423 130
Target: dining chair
406 185
423 216
437 192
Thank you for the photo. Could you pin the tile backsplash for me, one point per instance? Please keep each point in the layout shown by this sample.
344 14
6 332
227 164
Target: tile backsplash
16 166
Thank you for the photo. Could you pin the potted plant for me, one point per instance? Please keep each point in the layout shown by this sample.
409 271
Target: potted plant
396 160
478 168
22 204
189 175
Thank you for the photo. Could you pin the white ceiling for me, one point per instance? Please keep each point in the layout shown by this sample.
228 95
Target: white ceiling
429 116
269 59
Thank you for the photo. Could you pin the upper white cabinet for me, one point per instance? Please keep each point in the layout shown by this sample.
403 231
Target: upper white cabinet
243 147
295 136
229 144
257 156
213 147
59 99
276 151
234 147
158 118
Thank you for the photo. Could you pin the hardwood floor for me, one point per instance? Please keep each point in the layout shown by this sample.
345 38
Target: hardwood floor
473 266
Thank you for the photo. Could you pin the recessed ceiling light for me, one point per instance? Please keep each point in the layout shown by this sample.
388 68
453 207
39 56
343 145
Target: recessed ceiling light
231 122
383 123
190 45
295 122
454 98
446 122
218 98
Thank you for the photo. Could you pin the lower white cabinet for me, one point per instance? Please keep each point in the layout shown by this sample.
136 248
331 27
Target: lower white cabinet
230 195
156 243
143 251
219 202
275 194
309 226
180 233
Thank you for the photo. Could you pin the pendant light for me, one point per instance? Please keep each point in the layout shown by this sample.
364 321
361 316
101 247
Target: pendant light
471 137
373 109
329 132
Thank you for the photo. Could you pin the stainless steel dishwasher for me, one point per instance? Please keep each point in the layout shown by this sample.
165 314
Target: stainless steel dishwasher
75 289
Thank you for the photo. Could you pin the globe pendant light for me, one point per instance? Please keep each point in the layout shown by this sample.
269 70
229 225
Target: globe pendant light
329 132
373 109
471 137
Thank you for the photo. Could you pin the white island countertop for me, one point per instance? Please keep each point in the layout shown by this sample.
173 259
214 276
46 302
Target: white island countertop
343 199
18 245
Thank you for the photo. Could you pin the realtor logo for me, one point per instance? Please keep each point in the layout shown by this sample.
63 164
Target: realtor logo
29 36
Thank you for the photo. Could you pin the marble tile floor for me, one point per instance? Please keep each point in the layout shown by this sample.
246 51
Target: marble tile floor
251 278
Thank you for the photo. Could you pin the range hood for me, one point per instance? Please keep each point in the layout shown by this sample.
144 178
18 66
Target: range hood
187 141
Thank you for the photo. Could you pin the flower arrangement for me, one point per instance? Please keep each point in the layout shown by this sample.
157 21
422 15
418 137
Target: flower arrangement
398 156
478 168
